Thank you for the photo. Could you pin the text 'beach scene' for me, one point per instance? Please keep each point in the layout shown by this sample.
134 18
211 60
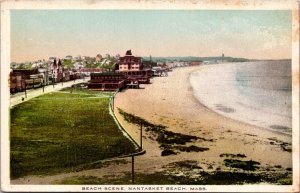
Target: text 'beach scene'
150 97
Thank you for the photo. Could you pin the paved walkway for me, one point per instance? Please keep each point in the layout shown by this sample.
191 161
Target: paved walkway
17 98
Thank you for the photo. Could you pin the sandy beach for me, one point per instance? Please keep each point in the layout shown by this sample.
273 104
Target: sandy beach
169 101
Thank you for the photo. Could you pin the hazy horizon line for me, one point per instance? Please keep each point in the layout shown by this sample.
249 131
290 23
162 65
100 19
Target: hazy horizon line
186 56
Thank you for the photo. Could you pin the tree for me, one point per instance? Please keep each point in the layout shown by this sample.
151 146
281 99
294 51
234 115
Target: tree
68 64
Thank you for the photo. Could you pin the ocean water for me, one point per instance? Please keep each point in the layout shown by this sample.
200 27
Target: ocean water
258 93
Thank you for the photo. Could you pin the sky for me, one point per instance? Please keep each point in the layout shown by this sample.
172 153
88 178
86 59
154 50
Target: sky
254 34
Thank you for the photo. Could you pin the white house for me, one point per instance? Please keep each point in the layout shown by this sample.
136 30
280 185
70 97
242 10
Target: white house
68 57
78 65
76 58
51 59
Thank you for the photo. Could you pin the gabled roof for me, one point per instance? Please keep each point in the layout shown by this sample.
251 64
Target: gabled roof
107 74
128 53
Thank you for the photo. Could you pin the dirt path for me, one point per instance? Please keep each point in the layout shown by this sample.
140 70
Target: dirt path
32 93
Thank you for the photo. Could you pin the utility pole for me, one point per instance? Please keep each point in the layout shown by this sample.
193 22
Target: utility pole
52 78
25 90
113 102
43 86
132 169
141 135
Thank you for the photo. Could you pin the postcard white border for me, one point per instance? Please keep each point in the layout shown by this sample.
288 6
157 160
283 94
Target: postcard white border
6 6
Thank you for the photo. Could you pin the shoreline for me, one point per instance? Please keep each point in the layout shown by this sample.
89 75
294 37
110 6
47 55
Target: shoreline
240 121
225 98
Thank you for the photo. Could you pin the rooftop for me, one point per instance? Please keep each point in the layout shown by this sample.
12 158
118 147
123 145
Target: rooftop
128 53
107 74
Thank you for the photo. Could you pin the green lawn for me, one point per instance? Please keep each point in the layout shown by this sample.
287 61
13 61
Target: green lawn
58 132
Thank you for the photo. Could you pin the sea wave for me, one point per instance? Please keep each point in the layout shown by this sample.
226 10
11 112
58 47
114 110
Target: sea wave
258 93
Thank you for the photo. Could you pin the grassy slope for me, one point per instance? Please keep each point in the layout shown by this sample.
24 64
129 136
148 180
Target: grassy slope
58 131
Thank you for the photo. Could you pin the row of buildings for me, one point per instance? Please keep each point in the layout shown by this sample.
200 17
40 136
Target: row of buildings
127 71
130 71
77 61
22 79
52 73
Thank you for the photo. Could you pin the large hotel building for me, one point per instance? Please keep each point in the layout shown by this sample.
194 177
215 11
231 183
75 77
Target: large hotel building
129 63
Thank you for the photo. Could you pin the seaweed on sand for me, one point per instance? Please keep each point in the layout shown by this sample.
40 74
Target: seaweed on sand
245 165
168 140
232 155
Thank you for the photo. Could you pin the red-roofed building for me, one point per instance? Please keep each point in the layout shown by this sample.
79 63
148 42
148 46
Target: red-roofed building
107 81
195 63
129 63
